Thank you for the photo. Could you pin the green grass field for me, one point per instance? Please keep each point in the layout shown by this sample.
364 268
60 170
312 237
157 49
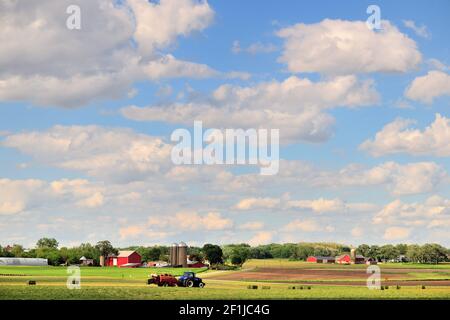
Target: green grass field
122 283
216 291
109 272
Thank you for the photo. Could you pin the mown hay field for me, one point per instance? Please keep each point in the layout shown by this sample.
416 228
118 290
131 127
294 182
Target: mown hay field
274 279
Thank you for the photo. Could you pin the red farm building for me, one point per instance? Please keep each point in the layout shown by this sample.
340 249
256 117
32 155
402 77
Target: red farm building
127 258
320 259
344 259
347 259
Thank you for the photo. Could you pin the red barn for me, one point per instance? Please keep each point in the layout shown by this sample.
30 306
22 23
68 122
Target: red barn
347 259
344 259
125 258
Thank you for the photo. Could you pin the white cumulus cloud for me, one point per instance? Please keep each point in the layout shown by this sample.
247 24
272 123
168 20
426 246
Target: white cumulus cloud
399 179
429 87
257 203
319 205
119 43
399 137
296 105
347 47
110 153
263 237
421 31
416 213
306 225
396 233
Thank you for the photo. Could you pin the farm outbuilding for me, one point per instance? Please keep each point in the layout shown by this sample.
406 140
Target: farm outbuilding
347 259
359 259
344 259
126 258
321 259
86 262
157 264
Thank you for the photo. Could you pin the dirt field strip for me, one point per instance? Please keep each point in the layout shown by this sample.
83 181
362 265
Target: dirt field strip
341 277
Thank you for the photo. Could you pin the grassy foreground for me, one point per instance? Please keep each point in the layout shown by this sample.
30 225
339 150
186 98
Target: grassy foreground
215 290
122 283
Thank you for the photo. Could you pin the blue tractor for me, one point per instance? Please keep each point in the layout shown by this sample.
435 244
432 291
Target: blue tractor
188 279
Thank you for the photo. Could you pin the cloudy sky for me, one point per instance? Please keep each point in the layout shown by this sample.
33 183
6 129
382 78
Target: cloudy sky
86 117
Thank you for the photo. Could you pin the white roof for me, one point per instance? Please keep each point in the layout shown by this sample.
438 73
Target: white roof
83 258
130 264
23 261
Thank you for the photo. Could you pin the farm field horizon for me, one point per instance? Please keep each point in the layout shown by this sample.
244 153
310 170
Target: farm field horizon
206 159
275 279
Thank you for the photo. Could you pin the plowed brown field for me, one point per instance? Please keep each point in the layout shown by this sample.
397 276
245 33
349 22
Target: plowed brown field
335 276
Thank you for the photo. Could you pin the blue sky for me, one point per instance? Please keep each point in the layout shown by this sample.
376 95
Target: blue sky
79 164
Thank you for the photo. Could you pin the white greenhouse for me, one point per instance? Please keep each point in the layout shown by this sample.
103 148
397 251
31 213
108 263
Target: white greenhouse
23 262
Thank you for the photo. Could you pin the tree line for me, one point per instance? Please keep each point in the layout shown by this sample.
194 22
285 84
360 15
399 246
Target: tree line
235 254
48 248
427 253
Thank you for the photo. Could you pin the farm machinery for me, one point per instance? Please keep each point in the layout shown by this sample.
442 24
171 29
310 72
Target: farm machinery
188 279
162 280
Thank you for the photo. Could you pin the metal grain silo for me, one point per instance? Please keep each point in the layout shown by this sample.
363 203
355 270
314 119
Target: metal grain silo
182 254
353 255
174 255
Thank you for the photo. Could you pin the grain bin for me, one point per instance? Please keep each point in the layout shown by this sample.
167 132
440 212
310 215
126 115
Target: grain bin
174 255
353 255
182 254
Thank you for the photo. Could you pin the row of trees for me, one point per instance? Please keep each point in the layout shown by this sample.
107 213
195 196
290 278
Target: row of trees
427 253
48 248
235 254
294 251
